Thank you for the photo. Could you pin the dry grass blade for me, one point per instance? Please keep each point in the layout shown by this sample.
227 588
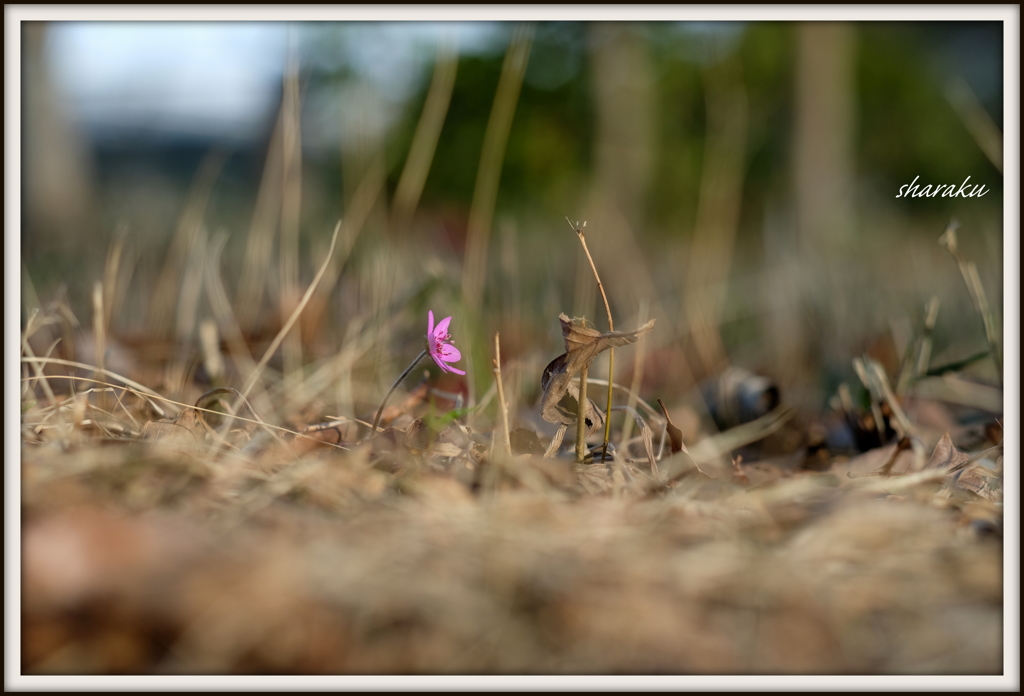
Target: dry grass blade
870 383
35 362
970 273
874 378
639 354
99 328
169 283
651 411
956 390
485 192
366 194
646 435
582 403
502 404
919 353
117 274
259 239
556 441
720 444
579 229
424 140
226 318
718 208
256 420
291 204
977 121
328 374
144 392
255 375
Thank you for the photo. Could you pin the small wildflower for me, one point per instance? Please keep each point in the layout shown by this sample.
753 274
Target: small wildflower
439 346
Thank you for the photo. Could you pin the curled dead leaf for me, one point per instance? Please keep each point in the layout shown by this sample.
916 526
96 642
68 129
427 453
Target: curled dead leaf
946 457
582 345
675 435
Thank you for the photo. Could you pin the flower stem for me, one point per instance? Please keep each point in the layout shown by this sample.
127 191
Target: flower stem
412 365
581 419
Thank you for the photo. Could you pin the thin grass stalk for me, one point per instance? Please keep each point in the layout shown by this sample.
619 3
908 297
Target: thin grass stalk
228 321
34 361
581 419
113 291
168 285
356 215
485 190
149 395
718 210
611 327
638 373
146 392
424 140
291 202
918 355
970 273
259 240
254 377
977 121
99 330
502 404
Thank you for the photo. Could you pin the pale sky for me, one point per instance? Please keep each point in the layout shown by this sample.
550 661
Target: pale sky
224 78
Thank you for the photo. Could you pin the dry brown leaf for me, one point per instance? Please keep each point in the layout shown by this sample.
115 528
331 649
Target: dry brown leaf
946 456
582 345
675 435
980 480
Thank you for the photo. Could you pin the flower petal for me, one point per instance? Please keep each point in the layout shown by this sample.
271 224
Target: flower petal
456 370
438 361
449 353
430 322
442 328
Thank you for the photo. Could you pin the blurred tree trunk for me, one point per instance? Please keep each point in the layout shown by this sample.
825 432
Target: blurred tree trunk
57 194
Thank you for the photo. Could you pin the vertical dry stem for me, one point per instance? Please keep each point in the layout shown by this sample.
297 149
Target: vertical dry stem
99 328
502 404
611 351
970 273
424 141
291 202
290 322
485 192
638 374
581 419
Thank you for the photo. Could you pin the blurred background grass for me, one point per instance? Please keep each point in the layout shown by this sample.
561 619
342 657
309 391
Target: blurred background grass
738 181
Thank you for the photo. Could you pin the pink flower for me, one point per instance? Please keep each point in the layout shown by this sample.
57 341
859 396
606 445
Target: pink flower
437 344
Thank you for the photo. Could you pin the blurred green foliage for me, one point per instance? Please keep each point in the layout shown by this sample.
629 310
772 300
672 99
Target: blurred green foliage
905 125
